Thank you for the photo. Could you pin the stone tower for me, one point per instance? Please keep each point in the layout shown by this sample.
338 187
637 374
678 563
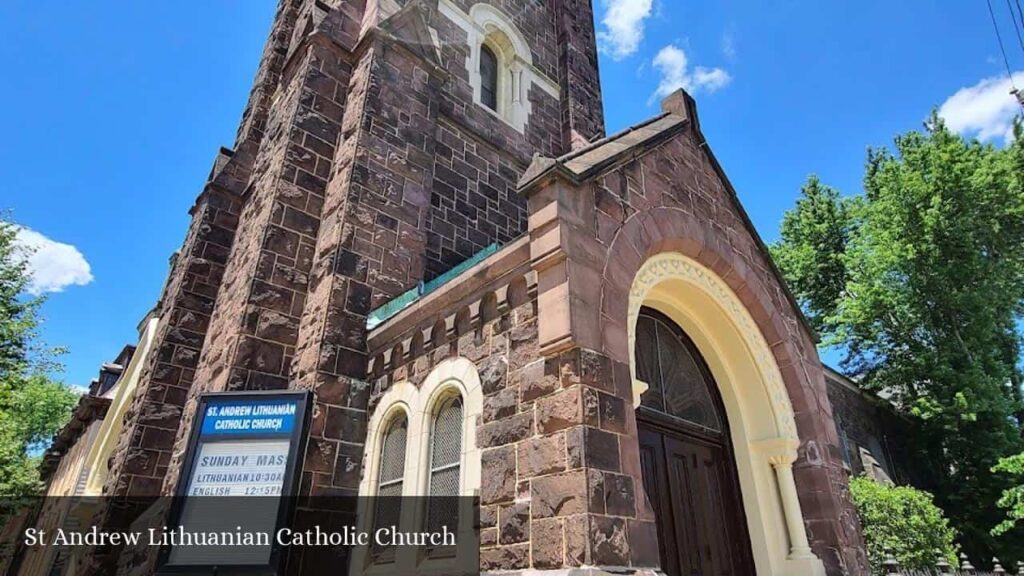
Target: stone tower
365 162
384 143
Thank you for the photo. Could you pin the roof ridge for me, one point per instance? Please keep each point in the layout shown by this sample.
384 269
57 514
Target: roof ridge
620 134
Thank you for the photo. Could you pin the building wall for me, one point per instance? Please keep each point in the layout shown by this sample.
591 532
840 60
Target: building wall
362 166
866 423
67 481
598 216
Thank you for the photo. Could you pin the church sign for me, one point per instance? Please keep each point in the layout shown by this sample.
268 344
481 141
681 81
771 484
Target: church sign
246 445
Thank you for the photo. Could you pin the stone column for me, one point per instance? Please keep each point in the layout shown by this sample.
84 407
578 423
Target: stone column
781 454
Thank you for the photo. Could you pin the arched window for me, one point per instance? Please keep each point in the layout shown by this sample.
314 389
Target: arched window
488 77
679 383
391 478
445 463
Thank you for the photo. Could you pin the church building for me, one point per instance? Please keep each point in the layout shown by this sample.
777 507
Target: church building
423 223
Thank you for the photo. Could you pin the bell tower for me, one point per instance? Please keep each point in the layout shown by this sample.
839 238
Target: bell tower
377 150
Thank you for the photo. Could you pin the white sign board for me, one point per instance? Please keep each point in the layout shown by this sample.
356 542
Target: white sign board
239 468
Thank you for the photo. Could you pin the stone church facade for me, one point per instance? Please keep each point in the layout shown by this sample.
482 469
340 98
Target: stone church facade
635 388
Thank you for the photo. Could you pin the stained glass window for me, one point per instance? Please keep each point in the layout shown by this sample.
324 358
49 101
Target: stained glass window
679 384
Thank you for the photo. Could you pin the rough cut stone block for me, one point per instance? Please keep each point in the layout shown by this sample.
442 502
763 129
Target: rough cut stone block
514 523
608 541
560 410
506 430
515 557
541 455
559 494
547 543
498 477
493 374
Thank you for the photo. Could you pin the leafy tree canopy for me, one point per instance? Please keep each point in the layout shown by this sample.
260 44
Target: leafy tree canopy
32 406
921 281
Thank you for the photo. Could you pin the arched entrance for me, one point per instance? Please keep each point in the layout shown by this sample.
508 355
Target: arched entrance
758 437
686 454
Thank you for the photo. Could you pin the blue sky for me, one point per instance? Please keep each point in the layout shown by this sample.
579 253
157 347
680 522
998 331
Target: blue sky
111 113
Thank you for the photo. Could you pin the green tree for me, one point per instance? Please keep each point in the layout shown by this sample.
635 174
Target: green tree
902 521
816 234
1012 499
926 302
32 405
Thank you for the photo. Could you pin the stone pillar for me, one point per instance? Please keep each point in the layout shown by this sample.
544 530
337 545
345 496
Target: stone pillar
371 247
782 453
143 455
583 395
254 327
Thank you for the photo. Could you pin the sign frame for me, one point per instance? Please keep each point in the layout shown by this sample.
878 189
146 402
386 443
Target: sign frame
296 456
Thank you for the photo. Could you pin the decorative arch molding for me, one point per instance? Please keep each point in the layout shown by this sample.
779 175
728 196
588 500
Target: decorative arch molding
665 229
765 441
485 24
450 377
671 266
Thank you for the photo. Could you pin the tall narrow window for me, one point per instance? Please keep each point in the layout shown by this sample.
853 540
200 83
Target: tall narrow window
488 78
445 464
390 478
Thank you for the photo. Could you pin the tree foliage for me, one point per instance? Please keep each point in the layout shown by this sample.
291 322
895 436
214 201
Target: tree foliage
921 281
902 521
32 405
1012 499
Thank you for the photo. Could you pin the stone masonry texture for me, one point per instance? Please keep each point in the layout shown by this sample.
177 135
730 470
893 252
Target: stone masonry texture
363 167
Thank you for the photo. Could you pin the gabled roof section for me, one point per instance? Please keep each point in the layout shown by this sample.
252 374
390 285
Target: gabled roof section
679 114
600 155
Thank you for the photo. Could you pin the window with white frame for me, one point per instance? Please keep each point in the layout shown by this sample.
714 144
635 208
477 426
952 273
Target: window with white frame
391 478
488 77
499 63
422 442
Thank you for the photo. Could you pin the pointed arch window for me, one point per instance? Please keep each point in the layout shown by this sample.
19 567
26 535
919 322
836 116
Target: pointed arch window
488 77
680 385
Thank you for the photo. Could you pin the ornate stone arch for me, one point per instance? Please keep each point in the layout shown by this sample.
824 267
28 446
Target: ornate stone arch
665 259
453 376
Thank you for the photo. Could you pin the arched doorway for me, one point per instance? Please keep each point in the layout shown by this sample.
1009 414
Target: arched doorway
687 459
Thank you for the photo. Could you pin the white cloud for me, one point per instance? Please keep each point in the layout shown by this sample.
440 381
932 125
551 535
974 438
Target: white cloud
53 265
729 46
623 26
985 110
673 65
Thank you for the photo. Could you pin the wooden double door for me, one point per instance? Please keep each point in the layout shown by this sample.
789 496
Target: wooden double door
687 461
692 486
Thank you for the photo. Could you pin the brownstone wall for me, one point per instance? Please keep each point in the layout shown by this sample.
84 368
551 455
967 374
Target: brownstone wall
362 166
559 456
590 239
868 422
